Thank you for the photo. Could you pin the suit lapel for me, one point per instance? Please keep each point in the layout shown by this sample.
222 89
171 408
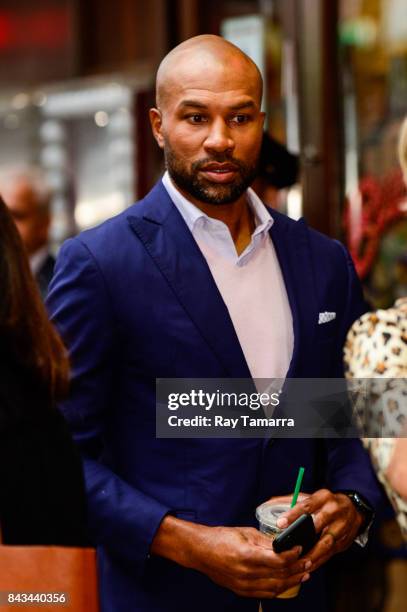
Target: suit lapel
293 252
166 237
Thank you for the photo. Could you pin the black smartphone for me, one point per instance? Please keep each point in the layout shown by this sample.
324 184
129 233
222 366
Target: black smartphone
300 533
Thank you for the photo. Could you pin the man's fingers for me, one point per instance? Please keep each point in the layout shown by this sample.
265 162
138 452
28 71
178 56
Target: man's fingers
326 515
309 505
265 571
325 547
280 586
289 517
266 557
260 540
328 545
343 538
340 531
335 538
322 560
256 537
268 588
259 562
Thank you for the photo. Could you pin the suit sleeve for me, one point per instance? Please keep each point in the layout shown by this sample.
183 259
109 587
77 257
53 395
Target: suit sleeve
121 518
348 464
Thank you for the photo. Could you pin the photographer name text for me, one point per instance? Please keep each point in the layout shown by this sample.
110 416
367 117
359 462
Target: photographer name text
219 421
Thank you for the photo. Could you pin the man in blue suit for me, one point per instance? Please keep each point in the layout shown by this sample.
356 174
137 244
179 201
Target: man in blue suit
200 280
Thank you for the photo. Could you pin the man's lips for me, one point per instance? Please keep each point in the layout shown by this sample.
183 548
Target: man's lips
219 173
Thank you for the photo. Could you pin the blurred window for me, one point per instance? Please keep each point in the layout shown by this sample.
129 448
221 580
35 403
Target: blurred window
373 45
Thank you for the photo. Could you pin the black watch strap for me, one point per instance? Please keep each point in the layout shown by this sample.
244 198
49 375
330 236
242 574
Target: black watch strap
362 506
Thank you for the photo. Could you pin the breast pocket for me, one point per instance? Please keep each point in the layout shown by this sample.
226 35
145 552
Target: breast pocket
326 332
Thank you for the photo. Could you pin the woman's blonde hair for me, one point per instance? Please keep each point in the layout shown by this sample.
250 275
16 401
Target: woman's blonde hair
403 148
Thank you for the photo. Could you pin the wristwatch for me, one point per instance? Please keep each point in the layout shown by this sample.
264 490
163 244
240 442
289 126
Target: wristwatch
362 507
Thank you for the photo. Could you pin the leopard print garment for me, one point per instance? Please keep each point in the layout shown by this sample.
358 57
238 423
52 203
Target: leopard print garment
376 348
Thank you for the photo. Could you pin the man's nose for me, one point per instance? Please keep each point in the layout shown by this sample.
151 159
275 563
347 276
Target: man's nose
219 138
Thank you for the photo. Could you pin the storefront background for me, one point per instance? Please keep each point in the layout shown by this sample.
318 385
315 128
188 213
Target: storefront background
77 79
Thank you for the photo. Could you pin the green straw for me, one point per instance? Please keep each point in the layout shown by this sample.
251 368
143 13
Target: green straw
297 486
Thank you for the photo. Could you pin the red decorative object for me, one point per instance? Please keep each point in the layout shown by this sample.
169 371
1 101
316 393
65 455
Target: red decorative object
42 29
381 206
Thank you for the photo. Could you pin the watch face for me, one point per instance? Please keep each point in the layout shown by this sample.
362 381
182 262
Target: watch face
363 506
360 504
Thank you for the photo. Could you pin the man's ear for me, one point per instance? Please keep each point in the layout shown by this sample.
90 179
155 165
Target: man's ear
156 126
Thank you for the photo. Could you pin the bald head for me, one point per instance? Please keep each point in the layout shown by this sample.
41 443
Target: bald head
205 58
208 120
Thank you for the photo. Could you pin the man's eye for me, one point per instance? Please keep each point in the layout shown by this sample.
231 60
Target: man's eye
240 119
196 118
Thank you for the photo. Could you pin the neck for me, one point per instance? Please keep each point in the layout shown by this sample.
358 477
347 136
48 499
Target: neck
237 216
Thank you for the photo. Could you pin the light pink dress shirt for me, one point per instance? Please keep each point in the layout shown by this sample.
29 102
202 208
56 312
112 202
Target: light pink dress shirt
251 284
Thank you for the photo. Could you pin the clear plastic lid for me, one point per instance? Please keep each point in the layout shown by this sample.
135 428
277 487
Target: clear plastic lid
268 513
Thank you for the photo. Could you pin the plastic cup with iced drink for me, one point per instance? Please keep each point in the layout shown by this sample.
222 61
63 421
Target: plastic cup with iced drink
267 514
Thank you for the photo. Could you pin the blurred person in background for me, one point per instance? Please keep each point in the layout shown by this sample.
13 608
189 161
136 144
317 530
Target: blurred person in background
376 346
42 497
277 169
28 196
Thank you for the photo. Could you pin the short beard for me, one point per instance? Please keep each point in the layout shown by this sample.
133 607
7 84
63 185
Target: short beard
200 188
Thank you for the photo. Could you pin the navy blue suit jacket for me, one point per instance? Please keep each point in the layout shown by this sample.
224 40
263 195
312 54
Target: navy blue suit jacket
134 300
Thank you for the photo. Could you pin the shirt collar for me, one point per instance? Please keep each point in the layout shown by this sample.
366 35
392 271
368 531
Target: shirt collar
191 213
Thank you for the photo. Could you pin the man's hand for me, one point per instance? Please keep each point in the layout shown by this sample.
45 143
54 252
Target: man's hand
238 558
335 518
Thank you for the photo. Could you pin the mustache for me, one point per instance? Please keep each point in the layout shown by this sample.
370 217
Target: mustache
219 159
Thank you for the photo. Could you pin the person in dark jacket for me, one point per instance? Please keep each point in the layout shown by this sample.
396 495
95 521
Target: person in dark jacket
41 481
28 196
278 169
